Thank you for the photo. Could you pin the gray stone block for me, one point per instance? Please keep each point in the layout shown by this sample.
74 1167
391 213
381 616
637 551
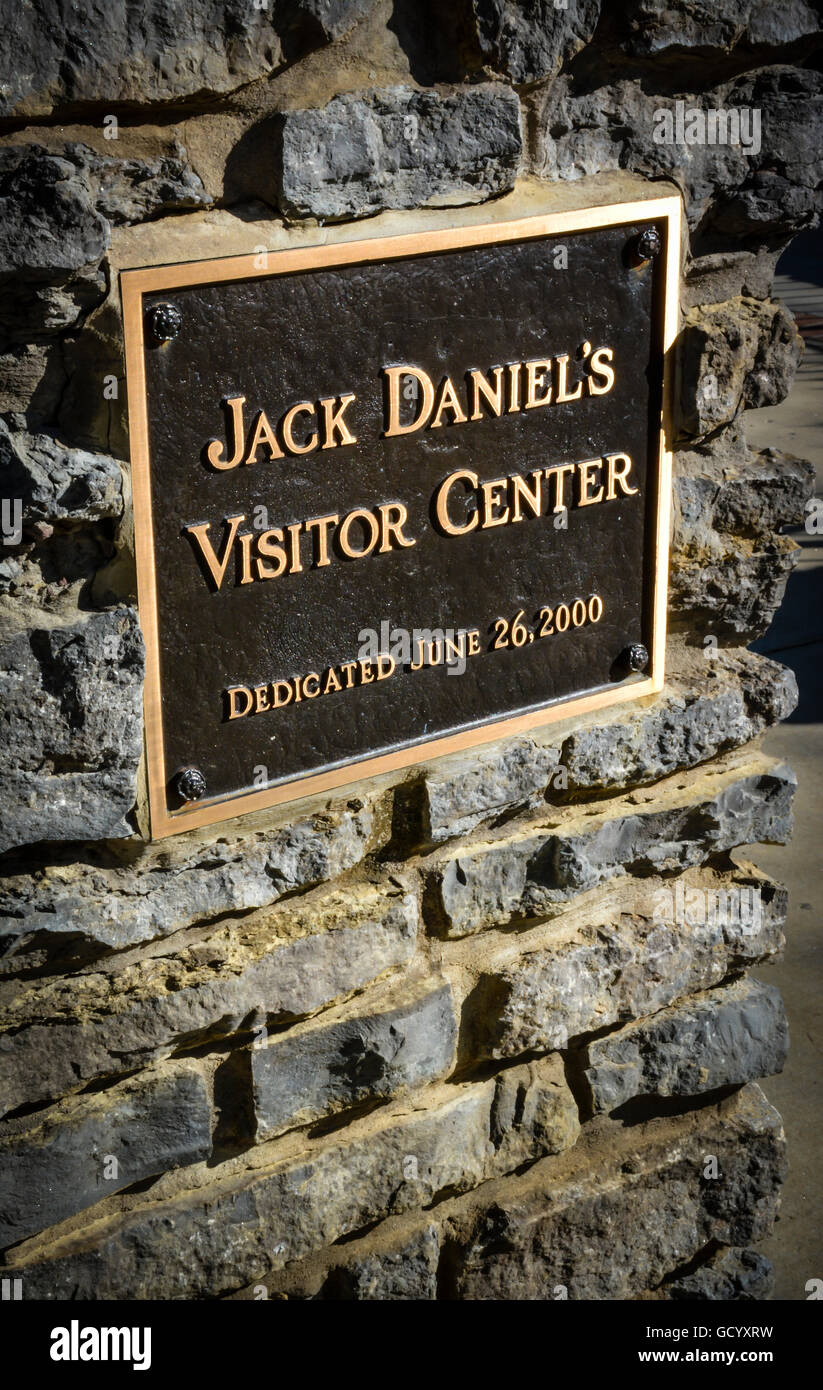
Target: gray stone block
390 1163
406 1273
707 707
730 1276
113 901
60 1162
132 190
530 42
732 591
606 1220
397 1043
681 27
399 148
72 731
623 966
120 52
61 1034
728 567
56 483
618 1227
733 193
733 1035
455 794
733 356
729 488
52 240
536 868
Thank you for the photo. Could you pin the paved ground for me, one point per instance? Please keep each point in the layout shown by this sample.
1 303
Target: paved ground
796 639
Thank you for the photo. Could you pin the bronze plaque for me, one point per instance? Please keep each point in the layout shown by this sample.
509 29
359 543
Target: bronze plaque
396 497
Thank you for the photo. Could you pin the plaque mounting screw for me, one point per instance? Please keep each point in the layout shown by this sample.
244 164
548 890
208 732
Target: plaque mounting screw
190 784
635 657
648 244
165 321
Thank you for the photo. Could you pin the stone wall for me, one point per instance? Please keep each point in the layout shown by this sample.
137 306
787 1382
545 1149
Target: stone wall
471 1031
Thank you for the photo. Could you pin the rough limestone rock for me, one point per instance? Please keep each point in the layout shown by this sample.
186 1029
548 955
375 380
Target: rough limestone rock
537 868
723 275
707 707
52 240
532 1105
529 42
711 705
61 1034
733 356
321 21
764 188
394 1045
112 900
132 190
730 568
55 482
399 148
453 795
650 1213
624 968
81 1151
391 1163
400 1260
32 381
725 486
730 1276
62 56
555 1221
725 1038
408 1273
732 591
680 25
71 720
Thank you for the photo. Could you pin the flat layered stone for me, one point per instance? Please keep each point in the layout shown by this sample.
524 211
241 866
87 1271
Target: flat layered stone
114 901
63 57
391 1163
706 707
732 1035
537 867
394 1044
620 1226
80 1151
680 27
61 1034
631 961
614 1218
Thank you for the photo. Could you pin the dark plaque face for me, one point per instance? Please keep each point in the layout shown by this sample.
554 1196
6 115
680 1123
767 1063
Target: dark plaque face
395 497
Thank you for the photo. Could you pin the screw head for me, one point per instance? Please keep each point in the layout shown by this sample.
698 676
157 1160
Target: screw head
649 244
635 657
190 784
165 322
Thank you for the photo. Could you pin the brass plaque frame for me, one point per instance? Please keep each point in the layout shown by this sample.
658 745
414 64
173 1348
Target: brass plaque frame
135 283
